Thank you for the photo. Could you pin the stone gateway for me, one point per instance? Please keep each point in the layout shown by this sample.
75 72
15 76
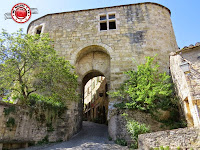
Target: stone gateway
107 42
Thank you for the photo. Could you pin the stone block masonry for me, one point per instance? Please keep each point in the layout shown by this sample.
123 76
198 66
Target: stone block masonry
184 138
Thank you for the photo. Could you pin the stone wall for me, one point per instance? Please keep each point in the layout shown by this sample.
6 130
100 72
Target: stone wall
185 138
22 125
142 29
118 123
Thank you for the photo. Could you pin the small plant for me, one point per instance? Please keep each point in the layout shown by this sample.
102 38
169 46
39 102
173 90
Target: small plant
121 142
167 148
45 140
9 110
178 148
161 148
109 138
10 122
49 127
121 105
135 128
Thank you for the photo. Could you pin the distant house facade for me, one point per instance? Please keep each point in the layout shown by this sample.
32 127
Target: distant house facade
96 100
185 70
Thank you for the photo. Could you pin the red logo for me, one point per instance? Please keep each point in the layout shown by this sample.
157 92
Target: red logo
21 13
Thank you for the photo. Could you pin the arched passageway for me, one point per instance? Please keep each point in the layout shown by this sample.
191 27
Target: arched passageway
95 100
93 69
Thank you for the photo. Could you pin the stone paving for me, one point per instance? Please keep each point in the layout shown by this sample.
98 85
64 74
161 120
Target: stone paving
93 136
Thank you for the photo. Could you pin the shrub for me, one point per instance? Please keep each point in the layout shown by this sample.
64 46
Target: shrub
121 142
135 128
146 88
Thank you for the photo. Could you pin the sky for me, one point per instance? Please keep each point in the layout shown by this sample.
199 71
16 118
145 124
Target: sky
185 14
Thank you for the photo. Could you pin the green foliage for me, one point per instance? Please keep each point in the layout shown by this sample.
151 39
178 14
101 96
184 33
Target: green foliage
45 109
135 128
167 148
36 99
121 105
9 110
121 142
10 122
109 138
149 90
29 64
45 140
161 148
146 88
50 127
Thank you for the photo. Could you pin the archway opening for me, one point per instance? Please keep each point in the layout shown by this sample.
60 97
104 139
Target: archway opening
93 61
95 98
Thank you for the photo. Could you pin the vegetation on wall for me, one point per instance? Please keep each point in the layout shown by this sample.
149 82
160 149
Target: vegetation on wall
121 142
10 122
29 65
146 89
135 128
151 91
45 109
9 110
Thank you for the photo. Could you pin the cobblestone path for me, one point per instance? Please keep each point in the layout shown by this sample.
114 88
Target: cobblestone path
93 136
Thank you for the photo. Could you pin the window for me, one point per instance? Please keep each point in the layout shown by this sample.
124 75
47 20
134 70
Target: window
39 29
112 16
112 25
107 22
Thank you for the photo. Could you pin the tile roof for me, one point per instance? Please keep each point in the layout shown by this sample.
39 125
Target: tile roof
190 47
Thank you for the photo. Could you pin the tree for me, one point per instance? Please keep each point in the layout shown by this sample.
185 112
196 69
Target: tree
29 64
146 88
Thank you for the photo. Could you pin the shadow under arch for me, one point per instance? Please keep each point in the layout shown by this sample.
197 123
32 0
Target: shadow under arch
89 75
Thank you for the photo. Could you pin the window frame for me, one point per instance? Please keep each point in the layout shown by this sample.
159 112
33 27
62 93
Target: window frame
107 20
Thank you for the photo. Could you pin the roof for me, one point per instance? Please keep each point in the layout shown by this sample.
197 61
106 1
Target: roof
190 47
97 9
